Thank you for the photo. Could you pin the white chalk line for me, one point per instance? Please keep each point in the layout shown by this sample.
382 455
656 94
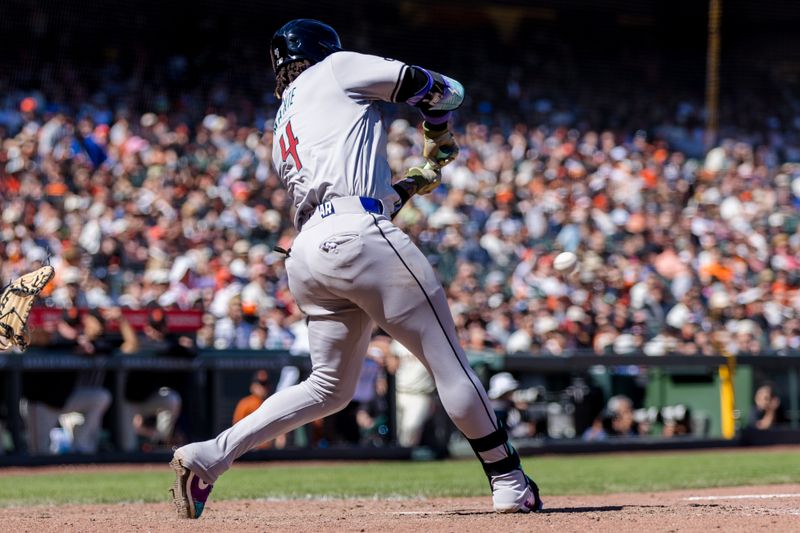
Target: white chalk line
743 497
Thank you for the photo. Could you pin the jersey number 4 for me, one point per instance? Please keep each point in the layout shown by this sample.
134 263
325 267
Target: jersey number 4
290 147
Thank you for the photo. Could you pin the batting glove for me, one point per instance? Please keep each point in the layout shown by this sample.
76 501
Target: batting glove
425 178
440 146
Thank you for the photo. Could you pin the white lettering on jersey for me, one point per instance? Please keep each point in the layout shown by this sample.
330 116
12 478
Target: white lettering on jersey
326 209
286 102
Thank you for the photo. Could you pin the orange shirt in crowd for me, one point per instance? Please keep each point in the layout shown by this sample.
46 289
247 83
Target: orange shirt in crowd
716 270
246 405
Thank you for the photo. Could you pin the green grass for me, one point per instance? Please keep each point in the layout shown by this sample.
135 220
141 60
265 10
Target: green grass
555 475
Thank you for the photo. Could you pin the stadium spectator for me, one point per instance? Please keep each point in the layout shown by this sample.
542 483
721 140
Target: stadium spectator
510 411
677 421
616 420
766 412
237 328
259 391
597 431
620 409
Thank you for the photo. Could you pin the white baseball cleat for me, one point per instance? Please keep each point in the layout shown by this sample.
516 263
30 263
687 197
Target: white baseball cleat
515 492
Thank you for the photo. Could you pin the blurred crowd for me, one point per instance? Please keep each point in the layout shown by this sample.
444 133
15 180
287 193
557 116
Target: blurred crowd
676 255
143 174
141 170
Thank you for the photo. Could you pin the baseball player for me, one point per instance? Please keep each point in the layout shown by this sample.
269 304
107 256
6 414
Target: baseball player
349 267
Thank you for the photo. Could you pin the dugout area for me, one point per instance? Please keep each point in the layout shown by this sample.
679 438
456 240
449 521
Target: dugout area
565 394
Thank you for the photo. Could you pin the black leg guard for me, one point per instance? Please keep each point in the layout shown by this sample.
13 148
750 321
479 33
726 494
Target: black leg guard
503 466
494 439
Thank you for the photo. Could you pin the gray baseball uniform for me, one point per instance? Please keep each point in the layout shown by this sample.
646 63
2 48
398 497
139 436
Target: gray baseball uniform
350 268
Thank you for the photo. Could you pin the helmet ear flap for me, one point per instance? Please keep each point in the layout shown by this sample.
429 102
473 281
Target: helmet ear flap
279 52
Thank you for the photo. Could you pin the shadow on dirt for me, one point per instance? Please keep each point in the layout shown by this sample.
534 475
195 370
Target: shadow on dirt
560 510
600 509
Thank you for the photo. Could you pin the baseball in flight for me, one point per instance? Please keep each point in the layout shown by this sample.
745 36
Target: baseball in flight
565 262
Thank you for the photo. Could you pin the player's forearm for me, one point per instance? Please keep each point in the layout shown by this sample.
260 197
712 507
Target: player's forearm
418 180
405 189
436 96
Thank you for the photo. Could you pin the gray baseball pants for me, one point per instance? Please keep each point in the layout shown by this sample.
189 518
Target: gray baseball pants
348 270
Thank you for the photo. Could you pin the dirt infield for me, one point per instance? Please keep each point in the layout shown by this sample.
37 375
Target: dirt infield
766 508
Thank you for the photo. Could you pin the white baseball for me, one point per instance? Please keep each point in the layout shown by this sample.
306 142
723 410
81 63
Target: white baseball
565 261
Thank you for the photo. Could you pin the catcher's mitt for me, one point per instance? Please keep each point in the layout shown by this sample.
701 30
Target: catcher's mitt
15 305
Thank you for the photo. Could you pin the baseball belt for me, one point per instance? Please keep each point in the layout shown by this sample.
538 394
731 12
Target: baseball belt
346 205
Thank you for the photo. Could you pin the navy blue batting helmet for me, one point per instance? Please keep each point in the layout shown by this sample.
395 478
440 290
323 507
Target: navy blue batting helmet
303 39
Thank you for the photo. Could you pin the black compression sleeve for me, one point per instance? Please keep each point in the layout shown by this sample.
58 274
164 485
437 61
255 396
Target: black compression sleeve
405 189
402 192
